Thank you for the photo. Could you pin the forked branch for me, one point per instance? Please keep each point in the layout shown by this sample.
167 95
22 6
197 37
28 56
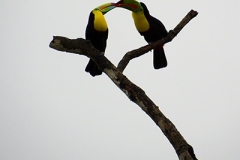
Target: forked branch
132 91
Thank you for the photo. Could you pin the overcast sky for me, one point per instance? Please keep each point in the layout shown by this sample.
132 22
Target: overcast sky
50 108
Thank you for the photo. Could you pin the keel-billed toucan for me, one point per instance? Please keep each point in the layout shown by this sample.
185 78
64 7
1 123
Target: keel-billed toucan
148 26
97 33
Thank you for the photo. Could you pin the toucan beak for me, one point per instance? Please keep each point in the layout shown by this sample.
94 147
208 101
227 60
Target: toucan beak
119 3
130 5
106 7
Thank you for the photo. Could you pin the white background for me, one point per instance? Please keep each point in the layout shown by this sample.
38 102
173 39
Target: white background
50 108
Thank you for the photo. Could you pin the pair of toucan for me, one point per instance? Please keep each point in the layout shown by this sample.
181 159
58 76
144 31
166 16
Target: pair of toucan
148 26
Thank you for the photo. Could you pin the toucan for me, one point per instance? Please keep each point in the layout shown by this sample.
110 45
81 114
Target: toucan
97 33
149 27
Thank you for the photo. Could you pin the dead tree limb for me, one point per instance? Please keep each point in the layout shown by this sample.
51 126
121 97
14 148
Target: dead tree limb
139 52
132 91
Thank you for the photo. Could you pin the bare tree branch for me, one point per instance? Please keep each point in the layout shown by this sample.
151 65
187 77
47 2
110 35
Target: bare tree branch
132 91
138 52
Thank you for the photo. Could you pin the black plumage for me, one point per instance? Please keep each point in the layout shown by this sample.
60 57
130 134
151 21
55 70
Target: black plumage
155 32
99 41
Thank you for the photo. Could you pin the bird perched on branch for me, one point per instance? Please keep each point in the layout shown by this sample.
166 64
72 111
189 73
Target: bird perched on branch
149 27
97 33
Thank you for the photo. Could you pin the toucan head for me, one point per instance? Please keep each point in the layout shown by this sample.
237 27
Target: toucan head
131 5
104 8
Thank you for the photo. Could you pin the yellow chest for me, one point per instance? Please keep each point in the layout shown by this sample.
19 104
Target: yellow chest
99 23
140 22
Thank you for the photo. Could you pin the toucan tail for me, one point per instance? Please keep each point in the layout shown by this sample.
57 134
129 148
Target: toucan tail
159 58
92 68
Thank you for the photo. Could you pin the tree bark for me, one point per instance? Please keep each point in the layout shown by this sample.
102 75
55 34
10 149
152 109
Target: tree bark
132 91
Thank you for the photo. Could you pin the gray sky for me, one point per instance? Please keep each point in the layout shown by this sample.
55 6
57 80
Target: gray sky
50 108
